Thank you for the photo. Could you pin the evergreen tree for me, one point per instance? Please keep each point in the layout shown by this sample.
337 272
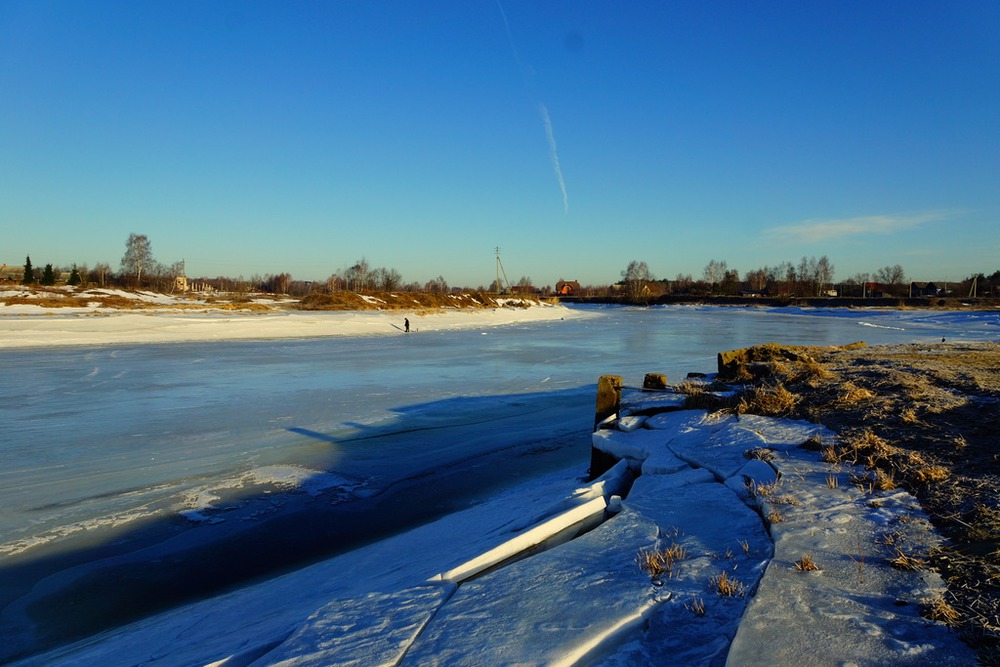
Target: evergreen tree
74 277
48 275
29 273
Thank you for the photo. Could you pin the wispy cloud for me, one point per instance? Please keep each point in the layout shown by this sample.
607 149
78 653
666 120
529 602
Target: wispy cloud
554 155
812 231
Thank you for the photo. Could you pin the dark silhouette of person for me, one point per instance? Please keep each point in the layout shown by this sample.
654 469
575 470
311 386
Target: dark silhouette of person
406 324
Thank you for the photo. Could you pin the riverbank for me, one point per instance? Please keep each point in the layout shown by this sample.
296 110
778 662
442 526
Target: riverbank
920 417
30 318
923 303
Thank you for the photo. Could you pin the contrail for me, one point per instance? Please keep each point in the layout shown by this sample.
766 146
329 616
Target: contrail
510 37
553 151
554 155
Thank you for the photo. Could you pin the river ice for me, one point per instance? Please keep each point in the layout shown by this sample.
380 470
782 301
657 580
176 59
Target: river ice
101 442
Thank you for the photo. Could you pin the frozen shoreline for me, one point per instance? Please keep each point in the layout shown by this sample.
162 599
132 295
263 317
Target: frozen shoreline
26 326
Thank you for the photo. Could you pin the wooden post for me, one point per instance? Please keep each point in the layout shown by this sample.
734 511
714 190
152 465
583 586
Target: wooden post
609 398
654 381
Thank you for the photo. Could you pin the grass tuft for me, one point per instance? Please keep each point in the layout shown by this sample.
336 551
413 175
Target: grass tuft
726 586
696 606
938 609
759 453
929 474
806 564
851 394
767 401
660 562
904 562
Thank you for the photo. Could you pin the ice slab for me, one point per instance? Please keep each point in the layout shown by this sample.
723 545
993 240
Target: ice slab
554 608
369 631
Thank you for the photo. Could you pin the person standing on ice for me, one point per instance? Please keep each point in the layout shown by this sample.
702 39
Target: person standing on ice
406 324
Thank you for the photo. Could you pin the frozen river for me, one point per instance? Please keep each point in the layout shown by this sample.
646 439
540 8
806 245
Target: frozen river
137 476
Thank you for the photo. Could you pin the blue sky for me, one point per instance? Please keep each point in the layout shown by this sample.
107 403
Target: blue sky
264 137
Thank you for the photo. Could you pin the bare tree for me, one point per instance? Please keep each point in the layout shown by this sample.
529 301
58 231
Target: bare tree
683 282
138 256
357 276
824 272
757 279
714 272
890 275
436 285
385 279
635 277
277 283
730 282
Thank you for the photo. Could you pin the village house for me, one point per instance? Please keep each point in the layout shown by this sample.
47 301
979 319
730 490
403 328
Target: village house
924 289
568 288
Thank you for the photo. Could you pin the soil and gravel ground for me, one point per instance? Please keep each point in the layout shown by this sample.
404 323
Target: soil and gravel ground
925 417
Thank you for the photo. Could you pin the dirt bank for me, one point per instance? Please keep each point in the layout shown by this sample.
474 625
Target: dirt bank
923 417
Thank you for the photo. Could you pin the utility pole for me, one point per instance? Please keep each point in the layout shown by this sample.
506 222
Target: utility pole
500 270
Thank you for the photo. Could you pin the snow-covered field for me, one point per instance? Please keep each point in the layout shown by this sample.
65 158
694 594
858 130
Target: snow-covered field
327 419
160 321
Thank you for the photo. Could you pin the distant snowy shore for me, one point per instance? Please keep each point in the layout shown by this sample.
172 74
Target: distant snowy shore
25 325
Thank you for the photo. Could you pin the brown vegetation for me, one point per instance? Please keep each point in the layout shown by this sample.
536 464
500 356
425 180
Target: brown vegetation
406 301
63 297
923 417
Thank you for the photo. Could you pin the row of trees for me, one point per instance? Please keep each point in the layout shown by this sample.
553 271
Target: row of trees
809 277
138 269
48 275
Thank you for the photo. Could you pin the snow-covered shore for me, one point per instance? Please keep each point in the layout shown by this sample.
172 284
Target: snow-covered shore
29 325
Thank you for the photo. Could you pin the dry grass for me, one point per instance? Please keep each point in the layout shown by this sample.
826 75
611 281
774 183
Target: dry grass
832 455
768 401
813 444
877 480
940 610
405 301
759 453
832 481
52 298
923 417
660 562
727 586
930 474
903 561
696 606
701 396
769 492
806 564
851 394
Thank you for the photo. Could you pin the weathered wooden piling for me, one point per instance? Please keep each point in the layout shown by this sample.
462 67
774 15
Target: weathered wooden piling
654 381
609 400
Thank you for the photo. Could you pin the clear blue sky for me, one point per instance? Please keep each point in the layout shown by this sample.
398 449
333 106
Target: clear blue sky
264 137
